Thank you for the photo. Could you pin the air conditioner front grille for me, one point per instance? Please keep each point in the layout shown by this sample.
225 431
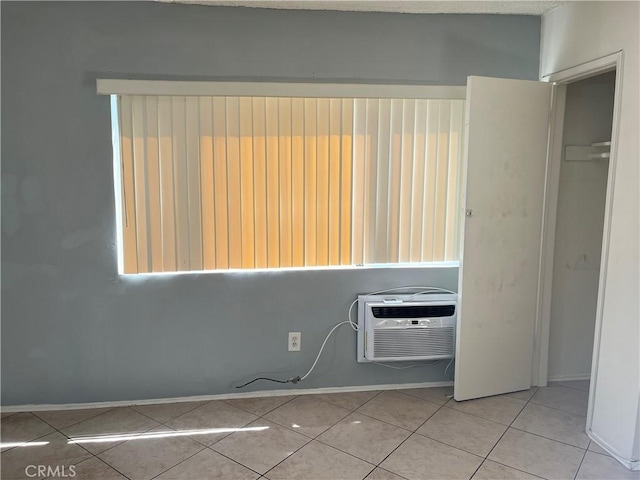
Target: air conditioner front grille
414 342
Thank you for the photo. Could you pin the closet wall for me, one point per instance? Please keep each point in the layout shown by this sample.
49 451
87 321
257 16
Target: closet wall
580 220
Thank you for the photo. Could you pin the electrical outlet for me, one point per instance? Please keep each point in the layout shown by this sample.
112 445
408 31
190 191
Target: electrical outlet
294 341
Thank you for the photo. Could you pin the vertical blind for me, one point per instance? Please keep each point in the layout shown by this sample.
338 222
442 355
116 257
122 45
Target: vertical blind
212 182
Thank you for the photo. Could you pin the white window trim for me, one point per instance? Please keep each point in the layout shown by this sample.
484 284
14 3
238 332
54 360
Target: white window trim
266 89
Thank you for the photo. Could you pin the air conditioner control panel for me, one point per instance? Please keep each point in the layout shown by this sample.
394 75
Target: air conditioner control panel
405 322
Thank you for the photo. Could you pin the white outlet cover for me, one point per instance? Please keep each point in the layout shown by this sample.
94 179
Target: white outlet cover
294 341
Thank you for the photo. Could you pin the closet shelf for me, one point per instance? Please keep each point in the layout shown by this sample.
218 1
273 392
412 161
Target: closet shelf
586 153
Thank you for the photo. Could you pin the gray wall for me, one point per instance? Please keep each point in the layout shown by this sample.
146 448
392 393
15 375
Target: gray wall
72 330
579 226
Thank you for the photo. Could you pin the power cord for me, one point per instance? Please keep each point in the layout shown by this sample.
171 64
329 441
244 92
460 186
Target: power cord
447 367
298 378
355 327
322 348
290 380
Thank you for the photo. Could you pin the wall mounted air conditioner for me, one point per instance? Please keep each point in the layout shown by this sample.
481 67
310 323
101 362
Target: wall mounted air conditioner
394 328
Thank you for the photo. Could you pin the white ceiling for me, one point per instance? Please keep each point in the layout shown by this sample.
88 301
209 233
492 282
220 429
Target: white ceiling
512 7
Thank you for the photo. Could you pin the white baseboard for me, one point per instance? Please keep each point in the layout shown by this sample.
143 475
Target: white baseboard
223 396
569 378
633 465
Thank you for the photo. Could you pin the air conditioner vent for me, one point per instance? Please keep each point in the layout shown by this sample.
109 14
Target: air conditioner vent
414 342
409 311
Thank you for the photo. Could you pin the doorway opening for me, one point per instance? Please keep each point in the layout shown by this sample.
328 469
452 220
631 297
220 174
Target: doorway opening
580 217
579 202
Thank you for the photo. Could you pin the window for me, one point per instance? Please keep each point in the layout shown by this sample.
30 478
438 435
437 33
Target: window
217 182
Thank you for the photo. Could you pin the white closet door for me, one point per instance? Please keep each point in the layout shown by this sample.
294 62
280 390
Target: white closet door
506 160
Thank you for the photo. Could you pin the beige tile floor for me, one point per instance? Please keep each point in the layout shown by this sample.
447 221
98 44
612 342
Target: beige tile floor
402 434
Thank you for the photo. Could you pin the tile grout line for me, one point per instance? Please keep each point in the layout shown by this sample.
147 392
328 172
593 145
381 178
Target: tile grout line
262 416
288 456
56 430
347 453
166 422
597 453
163 423
97 455
29 441
341 451
204 447
316 437
566 386
547 438
394 425
312 439
59 430
84 420
452 446
584 455
478 416
210 447
502 436
516 428
403 442
552 408
124 441
108 465
513 468
305 434
253 413
411 432
351 411
91 454
393 473
557 409
540 436
75 423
